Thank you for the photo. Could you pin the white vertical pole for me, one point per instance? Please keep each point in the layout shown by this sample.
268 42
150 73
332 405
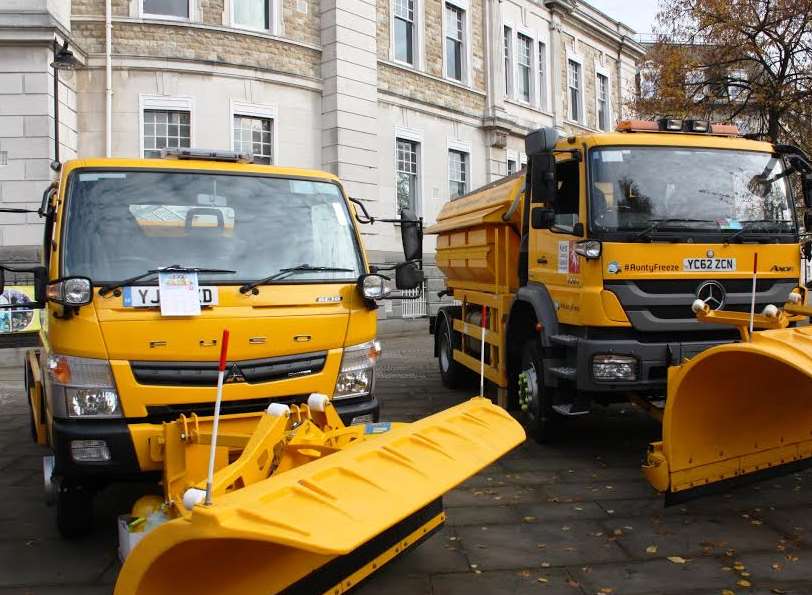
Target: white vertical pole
753 297
484 323
108 57
216 423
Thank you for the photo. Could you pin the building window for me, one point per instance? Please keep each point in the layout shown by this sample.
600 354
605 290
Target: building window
736 84
603 101
165 129
255 136
576 107
511 167
542 75
252 14
407 174
457 173
508 62
178 9
454 41
524 65
404 31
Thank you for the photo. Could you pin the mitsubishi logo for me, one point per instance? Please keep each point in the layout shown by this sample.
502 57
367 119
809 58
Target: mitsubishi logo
713 294
234 375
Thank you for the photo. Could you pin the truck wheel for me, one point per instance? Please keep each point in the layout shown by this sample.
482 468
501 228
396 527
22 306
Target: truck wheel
74 509
453 374
537 414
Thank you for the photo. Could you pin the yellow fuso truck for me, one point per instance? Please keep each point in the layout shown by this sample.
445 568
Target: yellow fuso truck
272 254
589 261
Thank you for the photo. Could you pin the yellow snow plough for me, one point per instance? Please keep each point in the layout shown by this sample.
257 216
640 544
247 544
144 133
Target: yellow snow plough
299 502
716 426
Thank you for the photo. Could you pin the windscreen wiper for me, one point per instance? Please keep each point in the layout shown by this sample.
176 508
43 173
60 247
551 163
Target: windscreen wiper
748 225
657 223
302 268
174 268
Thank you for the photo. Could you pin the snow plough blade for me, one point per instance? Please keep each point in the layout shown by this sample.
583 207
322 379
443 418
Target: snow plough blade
335 508
735 410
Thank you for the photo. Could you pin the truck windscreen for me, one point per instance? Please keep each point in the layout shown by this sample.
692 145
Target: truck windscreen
122 223
639 192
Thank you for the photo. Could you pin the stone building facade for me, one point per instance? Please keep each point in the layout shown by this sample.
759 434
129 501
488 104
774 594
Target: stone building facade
408 101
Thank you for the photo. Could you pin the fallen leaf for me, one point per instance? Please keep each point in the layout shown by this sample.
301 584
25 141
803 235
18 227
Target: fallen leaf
727 568
610 511
778 591
744 574
565 528
791 558
738 566
524 573
728 592
777 566
541 546
473 566
744 583
652 549
677 559
452 538
756 523
572 583
541 579
579 508
545 564
477 571
529 519
607 590
617 532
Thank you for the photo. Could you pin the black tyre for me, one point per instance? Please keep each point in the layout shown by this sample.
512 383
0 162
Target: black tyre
453 374
541 422
74 509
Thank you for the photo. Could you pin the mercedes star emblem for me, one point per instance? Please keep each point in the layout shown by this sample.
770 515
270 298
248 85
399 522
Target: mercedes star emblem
713 294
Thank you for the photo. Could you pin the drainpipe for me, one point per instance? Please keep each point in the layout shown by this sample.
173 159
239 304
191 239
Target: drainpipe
555 50
619 79
108 127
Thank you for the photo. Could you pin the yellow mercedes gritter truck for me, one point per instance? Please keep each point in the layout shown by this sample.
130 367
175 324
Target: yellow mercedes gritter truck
279 262
588 262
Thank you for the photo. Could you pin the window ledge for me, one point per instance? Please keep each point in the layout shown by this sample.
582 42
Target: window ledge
530 106
452 82
580 125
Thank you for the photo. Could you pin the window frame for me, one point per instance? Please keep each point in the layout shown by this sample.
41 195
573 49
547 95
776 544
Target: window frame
465 50
530 67
601 71
417 36
415 137
462 148
508 58
142 14
581 120
274 7
257 110
165 103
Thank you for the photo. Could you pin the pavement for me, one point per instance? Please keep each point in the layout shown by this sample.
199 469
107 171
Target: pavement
571 518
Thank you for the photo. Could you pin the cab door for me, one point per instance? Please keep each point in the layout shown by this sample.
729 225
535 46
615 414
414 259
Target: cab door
552 258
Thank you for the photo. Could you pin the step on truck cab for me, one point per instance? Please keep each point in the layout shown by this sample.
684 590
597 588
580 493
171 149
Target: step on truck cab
588 261
272 254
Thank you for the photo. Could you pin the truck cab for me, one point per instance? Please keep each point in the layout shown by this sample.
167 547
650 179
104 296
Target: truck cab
272 254
596 253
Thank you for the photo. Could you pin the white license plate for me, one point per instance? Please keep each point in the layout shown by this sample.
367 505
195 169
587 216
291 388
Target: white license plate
697 265
150 297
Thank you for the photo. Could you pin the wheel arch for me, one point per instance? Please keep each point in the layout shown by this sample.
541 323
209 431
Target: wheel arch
446 314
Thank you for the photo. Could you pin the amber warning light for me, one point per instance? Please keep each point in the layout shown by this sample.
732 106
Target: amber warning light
677 125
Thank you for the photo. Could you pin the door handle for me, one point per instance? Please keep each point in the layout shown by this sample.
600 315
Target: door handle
542 260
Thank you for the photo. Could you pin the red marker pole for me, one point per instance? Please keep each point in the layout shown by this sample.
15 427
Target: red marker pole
482 353
753 297
221 371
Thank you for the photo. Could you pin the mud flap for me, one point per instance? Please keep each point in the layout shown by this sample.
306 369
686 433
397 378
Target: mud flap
327 524
736 411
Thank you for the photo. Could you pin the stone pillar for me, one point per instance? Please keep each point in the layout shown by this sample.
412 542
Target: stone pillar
27 115
350 97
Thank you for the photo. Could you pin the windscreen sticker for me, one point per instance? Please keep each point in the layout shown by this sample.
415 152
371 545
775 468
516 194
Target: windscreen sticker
574 264
95 177
378 428
611 156
563 256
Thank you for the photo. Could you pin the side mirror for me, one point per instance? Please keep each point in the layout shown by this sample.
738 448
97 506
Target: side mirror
411 233
19 298
541 141
807 221
2 281
408 276
806 250
542 218
543 186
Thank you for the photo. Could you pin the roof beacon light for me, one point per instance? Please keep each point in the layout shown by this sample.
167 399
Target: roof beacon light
671 124
697 125
725 130
637 126
207 155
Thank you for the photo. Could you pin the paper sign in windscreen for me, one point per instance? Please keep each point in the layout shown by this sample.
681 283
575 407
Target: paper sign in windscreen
179 294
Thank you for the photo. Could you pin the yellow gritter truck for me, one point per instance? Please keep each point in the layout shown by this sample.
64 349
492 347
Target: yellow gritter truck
588 262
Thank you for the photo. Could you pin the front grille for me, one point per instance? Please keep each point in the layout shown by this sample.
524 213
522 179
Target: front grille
160 413
667 286
205 373
683 312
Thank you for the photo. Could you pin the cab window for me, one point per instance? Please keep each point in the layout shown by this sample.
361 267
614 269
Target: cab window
567 198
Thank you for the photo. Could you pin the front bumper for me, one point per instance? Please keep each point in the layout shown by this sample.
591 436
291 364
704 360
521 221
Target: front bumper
129 460
653 362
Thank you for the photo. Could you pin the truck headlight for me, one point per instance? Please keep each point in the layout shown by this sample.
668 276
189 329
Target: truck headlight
618 368
86 384
356 376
